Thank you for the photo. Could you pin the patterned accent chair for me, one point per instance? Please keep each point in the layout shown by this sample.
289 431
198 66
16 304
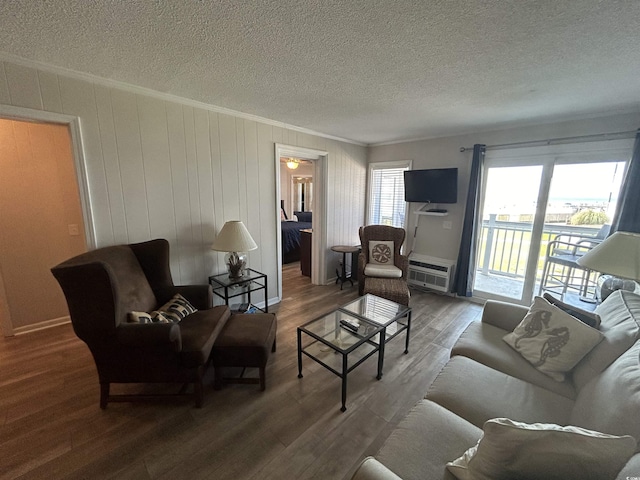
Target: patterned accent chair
103 286
387 281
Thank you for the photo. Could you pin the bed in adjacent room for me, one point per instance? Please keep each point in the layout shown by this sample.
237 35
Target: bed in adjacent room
291 235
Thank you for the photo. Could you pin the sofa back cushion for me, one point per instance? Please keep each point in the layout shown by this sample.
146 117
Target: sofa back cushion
620 326
610 402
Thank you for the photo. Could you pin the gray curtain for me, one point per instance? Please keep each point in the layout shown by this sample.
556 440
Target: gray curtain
627 217
465 269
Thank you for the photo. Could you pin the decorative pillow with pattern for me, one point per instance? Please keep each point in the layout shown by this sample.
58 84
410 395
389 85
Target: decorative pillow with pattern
381 252
177 308
590 318
171 312
551 340
151 317
509 450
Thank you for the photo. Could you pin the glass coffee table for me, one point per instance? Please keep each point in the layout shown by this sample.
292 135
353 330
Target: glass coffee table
393 317
343 339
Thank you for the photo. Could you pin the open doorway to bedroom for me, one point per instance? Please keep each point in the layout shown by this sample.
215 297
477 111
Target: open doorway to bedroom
300 190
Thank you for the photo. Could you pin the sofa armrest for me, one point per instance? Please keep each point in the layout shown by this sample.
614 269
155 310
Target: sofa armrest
200 296
503 315
372 469
145 335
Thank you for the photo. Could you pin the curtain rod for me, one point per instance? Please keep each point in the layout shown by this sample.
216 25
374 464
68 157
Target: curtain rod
561 140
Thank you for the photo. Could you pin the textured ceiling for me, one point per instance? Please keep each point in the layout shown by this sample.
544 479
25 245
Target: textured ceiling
371 71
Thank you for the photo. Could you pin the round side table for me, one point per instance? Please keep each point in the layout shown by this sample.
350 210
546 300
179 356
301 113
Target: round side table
344 249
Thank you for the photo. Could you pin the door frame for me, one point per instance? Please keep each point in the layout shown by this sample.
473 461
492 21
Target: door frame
319 240
21 114
548 156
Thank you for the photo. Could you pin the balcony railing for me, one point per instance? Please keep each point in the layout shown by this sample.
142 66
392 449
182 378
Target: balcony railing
504 246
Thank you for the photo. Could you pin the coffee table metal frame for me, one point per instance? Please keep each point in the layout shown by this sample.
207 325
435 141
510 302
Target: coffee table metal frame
383 312
332 330
378 314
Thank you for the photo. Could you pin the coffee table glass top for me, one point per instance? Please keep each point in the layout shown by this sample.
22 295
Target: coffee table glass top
329 330
375 309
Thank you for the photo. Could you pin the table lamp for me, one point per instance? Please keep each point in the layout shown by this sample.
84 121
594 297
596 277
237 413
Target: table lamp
234 238
618 257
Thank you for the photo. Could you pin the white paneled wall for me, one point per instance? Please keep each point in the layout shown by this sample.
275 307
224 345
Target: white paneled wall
158 167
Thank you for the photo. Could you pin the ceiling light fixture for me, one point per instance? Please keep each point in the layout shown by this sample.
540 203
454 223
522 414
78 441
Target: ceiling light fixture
293 163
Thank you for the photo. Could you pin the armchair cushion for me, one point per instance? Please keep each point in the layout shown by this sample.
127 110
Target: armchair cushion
383 271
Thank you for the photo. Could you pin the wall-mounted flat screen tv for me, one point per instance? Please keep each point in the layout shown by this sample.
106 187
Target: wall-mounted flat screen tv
436 185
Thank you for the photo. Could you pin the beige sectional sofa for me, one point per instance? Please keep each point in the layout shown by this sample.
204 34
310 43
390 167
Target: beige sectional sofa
485 378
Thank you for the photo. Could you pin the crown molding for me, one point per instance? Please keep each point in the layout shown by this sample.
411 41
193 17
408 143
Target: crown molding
107 82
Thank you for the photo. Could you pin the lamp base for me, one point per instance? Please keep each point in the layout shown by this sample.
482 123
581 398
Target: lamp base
236 263
607 284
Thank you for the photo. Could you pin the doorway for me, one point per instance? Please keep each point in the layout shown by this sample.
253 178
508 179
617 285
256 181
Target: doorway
531 198
41 219
318 161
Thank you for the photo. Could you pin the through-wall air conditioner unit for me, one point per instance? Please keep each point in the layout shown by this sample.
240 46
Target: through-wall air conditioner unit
430 272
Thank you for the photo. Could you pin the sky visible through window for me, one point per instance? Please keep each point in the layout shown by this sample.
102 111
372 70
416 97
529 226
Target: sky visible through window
514 190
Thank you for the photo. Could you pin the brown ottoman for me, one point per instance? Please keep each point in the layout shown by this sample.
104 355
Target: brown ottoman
245 341
394 289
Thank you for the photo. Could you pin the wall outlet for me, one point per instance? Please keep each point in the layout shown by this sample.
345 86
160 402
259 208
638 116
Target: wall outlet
446 225
73 229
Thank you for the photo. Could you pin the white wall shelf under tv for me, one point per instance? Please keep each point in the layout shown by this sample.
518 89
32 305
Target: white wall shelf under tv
435 214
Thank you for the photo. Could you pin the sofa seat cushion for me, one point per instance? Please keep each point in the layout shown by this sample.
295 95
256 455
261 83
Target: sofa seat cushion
199 332
425 440
483 343
620 326
477 393
610 403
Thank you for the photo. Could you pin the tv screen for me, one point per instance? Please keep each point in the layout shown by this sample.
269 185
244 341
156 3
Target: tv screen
437 185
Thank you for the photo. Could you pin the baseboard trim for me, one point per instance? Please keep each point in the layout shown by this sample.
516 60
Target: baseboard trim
41 325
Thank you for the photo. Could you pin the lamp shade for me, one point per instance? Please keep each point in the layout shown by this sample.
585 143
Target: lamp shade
618 255
234 237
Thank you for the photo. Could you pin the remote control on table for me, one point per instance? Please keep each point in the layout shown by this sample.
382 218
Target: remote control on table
350 324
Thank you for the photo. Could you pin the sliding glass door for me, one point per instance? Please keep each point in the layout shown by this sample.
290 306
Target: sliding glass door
531 197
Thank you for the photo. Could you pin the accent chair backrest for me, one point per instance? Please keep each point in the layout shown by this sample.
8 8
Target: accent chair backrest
382 232
101 287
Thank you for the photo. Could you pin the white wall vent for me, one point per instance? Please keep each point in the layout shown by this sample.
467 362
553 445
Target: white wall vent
431 272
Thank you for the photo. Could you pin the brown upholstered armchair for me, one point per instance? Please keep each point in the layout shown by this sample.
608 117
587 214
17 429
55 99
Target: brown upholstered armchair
383 233
102 286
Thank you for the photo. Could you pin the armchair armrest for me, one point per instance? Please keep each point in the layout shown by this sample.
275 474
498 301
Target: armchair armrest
403 264
200 296
503 315
372 469
362 262
146 335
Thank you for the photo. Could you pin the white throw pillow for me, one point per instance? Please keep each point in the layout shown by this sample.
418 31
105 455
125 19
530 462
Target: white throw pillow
510 450
381 252
551 340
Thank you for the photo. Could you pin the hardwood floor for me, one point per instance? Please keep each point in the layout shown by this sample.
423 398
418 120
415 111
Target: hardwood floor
51 425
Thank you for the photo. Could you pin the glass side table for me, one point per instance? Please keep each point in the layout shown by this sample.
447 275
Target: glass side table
251 281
